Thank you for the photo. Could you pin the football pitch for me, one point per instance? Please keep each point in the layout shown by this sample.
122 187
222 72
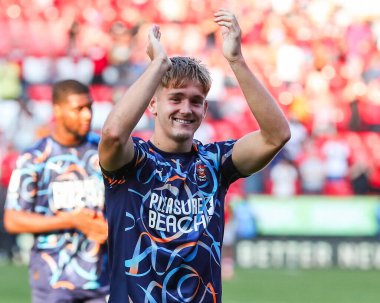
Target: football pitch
252 286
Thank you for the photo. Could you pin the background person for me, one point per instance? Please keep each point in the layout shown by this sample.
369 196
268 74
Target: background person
56 194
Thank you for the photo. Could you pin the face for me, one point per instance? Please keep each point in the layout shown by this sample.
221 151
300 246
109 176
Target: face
179 112
74 116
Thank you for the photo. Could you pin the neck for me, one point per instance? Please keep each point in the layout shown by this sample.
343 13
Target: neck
171 146
66 139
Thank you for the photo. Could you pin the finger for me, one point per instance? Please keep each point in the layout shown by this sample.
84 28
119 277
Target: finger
99 215
223 12
224 23
99 225
229 16
89 212
152 33
156 32
226 18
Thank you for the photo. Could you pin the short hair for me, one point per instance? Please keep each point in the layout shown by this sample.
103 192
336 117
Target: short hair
185 69
62 89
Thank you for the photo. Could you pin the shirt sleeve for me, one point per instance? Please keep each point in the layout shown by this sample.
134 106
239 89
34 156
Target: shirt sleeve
23 185
228 169
117 177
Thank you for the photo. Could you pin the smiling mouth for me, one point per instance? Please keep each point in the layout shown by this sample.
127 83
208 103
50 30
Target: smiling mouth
181 121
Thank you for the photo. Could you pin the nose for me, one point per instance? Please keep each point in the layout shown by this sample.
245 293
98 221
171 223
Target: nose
185 107
86 113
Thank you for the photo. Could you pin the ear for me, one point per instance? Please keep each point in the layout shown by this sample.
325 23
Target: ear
153 106
57 111
205 108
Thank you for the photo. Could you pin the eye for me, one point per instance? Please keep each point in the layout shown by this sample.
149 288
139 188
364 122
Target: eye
84 108
197 102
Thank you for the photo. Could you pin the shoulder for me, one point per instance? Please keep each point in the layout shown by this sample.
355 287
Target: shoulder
34 153
139 141
39 144
38 147
140 157
141 145
222 147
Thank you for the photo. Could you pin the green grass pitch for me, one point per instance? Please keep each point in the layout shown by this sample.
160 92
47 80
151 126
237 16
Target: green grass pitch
252 286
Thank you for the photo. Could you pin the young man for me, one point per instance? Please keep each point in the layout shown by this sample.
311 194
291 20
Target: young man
165 197
56 193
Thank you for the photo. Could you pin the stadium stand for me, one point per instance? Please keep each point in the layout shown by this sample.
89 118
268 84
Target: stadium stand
324 69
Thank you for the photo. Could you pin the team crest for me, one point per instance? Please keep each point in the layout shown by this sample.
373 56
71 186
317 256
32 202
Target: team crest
201 172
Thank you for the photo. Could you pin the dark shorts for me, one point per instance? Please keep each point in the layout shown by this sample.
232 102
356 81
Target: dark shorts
46 295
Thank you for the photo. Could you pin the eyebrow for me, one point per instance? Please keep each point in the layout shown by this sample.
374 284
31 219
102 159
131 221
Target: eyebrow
182 94
176 94
87 104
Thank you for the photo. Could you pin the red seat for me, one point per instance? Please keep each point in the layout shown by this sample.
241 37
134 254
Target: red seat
338 188
101 93
40 92
223 130
143 134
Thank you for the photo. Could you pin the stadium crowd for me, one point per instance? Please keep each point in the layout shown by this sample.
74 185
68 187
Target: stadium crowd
320 60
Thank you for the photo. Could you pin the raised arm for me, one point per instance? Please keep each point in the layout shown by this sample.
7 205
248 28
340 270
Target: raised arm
256 149
116 147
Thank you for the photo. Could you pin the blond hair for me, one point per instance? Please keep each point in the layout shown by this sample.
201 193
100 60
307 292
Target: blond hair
184 70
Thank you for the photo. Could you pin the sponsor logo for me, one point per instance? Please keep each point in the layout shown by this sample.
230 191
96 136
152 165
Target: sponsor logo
170 214
73 194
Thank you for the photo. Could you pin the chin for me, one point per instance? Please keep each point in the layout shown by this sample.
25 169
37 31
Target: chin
85 131
183 136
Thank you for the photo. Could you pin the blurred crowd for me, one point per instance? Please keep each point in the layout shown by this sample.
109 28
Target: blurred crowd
320 59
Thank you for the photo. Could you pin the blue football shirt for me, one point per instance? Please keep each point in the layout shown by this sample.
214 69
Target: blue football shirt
166 217
48 178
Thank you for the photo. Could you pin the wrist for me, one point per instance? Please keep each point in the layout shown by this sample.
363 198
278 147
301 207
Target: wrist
163 63
237 60
66 219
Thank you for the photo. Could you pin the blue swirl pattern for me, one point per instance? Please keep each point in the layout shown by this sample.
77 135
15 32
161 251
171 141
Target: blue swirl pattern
166 219
46 174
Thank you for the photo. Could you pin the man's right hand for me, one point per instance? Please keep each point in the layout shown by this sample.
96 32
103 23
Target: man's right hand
89 222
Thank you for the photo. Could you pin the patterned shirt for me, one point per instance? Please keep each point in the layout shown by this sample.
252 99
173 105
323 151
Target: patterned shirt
48 178
166 218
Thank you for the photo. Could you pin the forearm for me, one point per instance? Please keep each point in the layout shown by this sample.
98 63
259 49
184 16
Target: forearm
272 122
116 148
24 222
